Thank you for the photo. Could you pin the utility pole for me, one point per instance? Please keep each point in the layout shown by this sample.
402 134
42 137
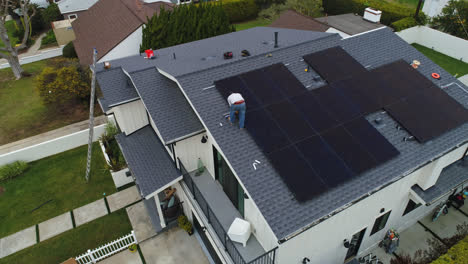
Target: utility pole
91 116
417 9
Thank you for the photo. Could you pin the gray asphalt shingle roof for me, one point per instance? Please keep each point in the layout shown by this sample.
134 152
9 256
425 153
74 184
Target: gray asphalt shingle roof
115 87
167 106
284 214
148 160
450 177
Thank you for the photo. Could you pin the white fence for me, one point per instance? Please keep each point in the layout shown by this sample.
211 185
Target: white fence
42 56
52 147
444 43
109 249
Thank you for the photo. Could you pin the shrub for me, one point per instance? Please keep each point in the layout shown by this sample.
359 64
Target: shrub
268 3
69 51
391 12
240 10
117 160
61 85
404 23
272 12
453 19
49 38
456 254
37 23
312 8
51 14
12 170
184 223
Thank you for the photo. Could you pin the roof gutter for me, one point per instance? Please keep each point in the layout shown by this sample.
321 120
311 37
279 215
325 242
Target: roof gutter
346 206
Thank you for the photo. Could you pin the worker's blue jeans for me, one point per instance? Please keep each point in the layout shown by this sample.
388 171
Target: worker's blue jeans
241 108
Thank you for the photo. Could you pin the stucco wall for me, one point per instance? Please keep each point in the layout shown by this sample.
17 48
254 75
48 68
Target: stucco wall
434 8
190 149
52 147
323 243
131 116
447 44
128 47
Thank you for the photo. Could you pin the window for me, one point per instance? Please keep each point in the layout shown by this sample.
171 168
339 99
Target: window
411 206
380 223
72 16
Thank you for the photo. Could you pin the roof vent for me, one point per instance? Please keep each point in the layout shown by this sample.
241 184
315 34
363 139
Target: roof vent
208 58
276 39
410 138
372 15
378 121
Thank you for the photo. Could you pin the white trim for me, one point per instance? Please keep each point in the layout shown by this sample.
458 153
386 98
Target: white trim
160 212
155 193
186 136
372 30
74 14
124 102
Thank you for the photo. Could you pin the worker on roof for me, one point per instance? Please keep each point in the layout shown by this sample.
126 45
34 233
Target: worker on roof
237 104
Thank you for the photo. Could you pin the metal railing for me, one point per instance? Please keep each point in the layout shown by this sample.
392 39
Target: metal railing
107 250
266 258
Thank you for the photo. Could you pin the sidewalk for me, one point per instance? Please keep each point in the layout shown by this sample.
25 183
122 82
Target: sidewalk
67 221
63 131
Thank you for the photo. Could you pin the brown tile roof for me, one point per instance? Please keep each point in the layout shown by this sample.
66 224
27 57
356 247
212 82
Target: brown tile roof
109 22
293 20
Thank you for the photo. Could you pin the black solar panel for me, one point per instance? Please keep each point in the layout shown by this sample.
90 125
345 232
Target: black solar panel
235 85
297 174
265 132
317 116
336 103
349 150
334 64
285 80
324 161
290 120
262 87
369 138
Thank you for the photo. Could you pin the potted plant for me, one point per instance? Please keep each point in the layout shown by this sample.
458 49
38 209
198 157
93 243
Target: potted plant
185 224
133 248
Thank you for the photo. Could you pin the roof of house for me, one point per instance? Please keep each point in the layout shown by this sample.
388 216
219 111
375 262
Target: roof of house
294 20
350 24
67 6
116 88
167 106
108 23
284 214
149 160
451 176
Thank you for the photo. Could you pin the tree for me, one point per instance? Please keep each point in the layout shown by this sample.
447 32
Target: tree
9 52
312 8
59 86
51 14
453 19
185 23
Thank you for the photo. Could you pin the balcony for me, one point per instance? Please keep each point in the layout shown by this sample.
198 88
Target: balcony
220 213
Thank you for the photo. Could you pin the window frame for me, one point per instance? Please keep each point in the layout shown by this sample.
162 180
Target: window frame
70 16
415 206
377 226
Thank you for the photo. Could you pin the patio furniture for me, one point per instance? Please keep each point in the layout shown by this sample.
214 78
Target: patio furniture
239 231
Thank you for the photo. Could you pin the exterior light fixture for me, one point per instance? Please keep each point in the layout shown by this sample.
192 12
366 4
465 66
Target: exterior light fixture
204 139
346 243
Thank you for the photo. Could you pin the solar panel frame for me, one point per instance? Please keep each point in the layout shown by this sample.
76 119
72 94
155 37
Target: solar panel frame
290 120
297 174
326 164
349 150
266 133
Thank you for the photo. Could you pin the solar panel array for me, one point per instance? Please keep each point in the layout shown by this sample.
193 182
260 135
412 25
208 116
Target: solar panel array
316 139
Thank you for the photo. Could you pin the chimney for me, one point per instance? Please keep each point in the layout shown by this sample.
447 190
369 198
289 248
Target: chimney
276 39
372 15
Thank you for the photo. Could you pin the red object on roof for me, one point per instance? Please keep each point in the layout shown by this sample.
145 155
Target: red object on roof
149 53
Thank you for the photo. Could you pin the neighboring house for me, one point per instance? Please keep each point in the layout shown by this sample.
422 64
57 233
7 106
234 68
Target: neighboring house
40 3
434 8
71 9
171 110
121 33
346 25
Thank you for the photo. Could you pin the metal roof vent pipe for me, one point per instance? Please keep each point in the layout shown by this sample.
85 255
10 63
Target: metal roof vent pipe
410 138
276 39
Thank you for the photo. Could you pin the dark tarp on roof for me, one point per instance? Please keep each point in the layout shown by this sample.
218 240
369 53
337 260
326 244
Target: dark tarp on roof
451 177
148 160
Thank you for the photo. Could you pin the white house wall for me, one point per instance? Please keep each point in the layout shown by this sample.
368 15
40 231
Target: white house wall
323 243
190 149
260 229
128 47
131 116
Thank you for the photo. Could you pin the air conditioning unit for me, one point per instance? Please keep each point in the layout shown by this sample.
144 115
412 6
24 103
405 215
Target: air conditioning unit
372 15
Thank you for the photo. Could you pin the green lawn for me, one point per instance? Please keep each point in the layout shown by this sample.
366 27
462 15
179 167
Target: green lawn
22 113
74 242
409 3
252 23
449 64
59 178
10 26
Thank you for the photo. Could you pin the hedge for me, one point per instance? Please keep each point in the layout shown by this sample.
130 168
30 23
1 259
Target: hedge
12 170
240 10
404 23
69 51
456 255
390 12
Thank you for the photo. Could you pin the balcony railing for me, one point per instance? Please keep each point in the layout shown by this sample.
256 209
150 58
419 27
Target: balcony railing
266 258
